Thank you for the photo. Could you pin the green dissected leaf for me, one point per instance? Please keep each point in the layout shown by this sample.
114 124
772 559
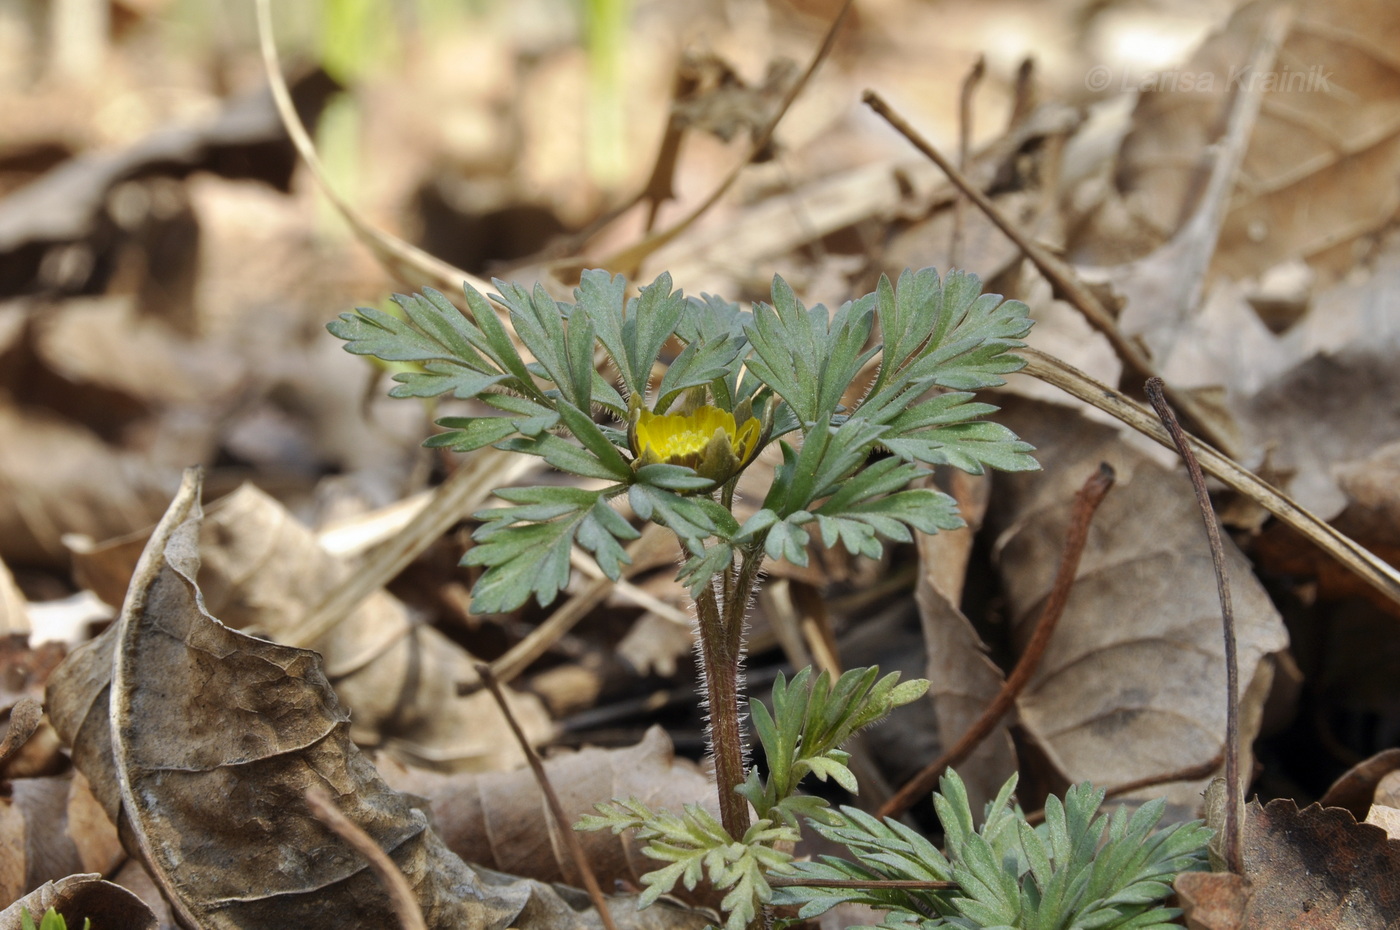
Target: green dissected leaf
811 718
588 433
442 377
711 320
466 434
787 539
827 458
368 331
925 510
525 560
967 446
601 296
633 337
562 454
1080 869
807 360
697 571
671 477
946 333
695 845
693 519
564 355
525 547
699 363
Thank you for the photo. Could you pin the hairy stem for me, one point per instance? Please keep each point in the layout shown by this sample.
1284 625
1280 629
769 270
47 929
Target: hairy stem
721 619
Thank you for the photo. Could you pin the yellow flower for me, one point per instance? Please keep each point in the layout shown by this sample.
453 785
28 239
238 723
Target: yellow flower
707 440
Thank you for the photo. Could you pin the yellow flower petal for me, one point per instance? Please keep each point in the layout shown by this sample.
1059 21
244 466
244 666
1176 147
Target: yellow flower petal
707 440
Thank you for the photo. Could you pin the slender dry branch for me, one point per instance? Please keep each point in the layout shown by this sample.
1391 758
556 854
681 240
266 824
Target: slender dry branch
1056 271
965 98
462 492
556 809
1234 811
1086 502
400 893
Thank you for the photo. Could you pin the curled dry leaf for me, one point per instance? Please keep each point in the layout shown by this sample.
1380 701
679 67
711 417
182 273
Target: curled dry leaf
1133 682
499 819
263 571
1311 868
79 897
1355 790
201 742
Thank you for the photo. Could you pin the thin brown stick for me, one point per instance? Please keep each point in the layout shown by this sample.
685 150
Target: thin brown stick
965 95
796 882
1086 502
556 810
401 896
630 259
1234 811
1056 271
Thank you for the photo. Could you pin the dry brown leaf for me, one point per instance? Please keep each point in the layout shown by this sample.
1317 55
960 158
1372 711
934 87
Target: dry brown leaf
263 571
1132 684
1314 868
52 827
92 342
201 742
1320 169
963 680
58 478
499 819
79 897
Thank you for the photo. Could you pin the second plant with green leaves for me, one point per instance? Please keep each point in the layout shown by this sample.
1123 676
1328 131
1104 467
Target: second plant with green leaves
858 403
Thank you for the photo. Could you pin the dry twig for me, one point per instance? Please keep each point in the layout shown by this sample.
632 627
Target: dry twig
561 820
1234 810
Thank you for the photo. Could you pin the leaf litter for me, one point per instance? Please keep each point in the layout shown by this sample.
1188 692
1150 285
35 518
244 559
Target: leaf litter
1290 343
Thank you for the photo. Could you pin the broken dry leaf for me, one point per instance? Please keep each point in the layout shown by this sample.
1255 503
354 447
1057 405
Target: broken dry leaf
1133 682
201 743
1355 790
14 618
1314 868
